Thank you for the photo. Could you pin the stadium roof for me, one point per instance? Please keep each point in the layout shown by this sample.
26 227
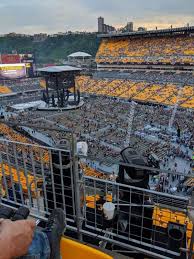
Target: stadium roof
58 69
163 32
79 54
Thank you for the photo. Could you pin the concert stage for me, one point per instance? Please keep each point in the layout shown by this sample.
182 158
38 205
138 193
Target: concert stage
61 92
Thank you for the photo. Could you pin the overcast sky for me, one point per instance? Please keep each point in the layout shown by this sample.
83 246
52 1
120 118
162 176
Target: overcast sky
50 16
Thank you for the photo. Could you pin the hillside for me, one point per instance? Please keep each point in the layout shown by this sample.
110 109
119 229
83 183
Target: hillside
52 50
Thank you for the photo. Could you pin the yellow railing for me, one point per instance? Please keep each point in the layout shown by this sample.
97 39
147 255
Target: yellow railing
74 250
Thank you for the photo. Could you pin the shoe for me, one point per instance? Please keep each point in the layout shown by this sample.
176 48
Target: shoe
21 214
6 213
55 227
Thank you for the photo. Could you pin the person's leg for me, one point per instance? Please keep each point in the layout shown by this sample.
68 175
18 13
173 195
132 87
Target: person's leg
46 243
39 248
55 228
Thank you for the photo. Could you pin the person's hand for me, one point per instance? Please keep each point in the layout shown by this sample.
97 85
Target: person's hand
15 237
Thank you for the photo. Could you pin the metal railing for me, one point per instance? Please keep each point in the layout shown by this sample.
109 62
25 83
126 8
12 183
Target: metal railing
42 178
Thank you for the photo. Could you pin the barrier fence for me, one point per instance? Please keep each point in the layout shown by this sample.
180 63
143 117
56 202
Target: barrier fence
42 178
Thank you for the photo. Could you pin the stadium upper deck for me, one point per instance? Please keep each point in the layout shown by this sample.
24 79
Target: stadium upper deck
161 48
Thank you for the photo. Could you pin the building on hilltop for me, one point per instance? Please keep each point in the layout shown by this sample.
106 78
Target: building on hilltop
104 28
142 29
129 27
40 37
100 24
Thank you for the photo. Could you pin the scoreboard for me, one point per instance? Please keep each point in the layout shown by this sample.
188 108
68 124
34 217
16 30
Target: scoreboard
12 65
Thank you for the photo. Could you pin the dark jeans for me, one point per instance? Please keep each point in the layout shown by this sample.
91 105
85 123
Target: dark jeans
39 248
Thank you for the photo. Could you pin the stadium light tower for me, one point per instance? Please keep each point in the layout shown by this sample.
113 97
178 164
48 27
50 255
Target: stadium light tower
171 121
130 123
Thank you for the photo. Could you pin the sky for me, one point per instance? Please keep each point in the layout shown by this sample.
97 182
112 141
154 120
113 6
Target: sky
52 16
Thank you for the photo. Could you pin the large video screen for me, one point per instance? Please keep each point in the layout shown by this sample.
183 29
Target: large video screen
12 71
9 59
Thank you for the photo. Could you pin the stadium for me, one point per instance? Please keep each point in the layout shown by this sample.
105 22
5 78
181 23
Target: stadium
122 135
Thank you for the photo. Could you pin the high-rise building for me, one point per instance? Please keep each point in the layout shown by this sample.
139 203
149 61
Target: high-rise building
104 28
100 24
129 26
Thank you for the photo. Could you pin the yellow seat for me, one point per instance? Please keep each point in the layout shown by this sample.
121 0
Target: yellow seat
74 250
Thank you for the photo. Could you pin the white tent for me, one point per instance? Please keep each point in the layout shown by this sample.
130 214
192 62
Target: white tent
79 55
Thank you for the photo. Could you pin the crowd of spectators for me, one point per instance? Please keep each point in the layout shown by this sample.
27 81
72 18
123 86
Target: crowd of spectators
102 122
